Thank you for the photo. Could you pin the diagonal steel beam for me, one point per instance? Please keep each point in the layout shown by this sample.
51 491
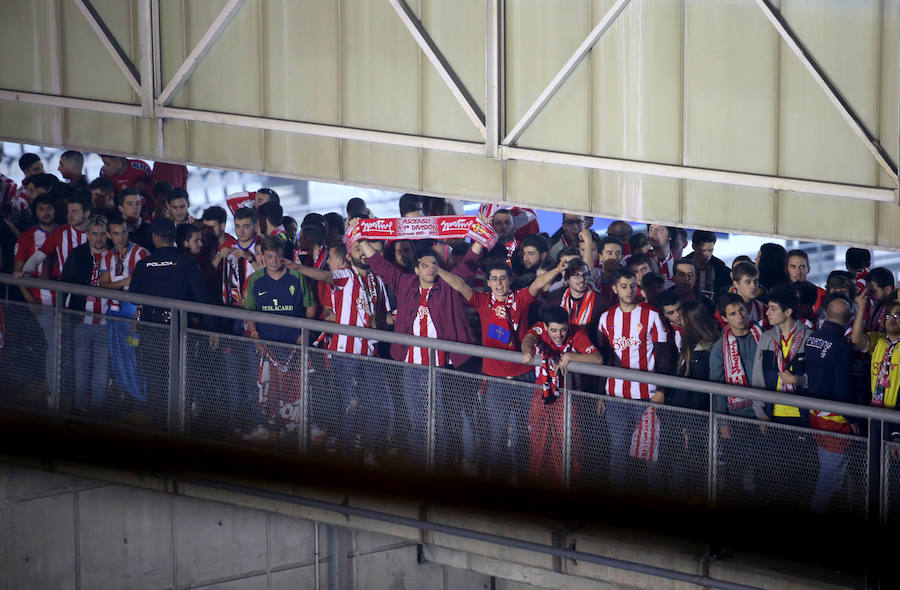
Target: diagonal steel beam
828 87
434 55
109 42
218 26
566 71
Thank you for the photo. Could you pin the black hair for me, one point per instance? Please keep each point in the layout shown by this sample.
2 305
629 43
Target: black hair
786 298
799 254
73 156
685 261
638 241
806 292
729 299
163 188
421 253
668 297
273 196
339 247
881 277
410 202
701 236
44 181
104 184
497 265
772 261
178 193
568 252
555 315
246 213
215 213
28 160
623 273
42 199
607 240
271 212
115 219
536 241
356 207
127 192
639 259
183 232
652 278
334 221
858 258
80 198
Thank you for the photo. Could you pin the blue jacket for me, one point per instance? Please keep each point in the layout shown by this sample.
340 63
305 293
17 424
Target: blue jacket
828 357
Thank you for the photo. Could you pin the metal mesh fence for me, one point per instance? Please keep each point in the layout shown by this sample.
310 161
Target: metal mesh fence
114 369
483 428
356 409
623 445
891 483
786 467
26 365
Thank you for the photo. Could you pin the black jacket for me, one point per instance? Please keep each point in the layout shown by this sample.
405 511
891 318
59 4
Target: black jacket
170 273
78 269
718 276
699 369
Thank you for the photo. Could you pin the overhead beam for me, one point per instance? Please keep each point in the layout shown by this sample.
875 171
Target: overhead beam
215 30
79 104
834 189
446 73
109 42
829 88
492 70
146 25
563 74
761 181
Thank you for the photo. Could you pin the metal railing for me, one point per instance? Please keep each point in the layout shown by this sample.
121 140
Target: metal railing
305 399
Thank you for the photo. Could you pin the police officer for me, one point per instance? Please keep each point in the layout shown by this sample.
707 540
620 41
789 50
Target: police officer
173 274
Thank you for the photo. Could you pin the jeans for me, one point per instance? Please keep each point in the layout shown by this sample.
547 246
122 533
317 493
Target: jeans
832 471
91 364
365 402
622 419
123 360
448 427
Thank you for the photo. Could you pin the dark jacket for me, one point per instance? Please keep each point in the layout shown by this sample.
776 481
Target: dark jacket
699 369
78 269
169 272
828 361
445 305
698 296
718 276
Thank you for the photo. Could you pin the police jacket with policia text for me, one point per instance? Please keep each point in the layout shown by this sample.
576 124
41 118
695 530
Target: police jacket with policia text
169 272
765 375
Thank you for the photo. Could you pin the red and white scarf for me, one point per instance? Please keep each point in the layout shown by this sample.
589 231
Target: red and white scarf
580 310
734 368
882 381
547 375
645 438
782 362
419 228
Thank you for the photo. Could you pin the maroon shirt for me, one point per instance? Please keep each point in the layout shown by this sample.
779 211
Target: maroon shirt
445 305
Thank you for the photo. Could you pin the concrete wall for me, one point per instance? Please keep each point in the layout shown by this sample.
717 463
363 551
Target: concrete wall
61 531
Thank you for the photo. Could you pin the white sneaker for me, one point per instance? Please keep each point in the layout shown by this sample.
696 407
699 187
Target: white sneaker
258 433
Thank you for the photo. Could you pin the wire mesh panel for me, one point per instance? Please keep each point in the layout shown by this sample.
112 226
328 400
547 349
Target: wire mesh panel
26 364
482 427
115 369
787 467
891 482
623 445
352 407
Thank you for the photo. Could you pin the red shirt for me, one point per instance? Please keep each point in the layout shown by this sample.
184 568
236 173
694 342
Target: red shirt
135 171
577 341
503 325
27 244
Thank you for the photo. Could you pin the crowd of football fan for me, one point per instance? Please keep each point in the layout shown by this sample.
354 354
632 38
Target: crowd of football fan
597 295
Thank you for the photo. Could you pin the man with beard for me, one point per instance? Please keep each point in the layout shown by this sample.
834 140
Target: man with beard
533 251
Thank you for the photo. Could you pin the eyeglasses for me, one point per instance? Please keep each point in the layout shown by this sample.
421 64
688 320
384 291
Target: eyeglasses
893 315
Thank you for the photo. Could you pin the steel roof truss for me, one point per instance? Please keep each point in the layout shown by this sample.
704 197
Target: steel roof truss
109 42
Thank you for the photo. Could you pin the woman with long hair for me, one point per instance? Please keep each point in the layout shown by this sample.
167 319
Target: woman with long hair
771 262
699 332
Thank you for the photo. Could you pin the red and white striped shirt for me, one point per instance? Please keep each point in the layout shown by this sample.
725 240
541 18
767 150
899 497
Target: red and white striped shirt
424 326
61 242
120 265
235 272
356 300
666 267
12 196
27 244
632 336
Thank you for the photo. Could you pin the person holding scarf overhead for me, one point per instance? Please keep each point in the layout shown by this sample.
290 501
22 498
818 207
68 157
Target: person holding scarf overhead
780 365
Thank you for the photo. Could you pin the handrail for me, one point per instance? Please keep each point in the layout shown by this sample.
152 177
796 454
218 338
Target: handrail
662 380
